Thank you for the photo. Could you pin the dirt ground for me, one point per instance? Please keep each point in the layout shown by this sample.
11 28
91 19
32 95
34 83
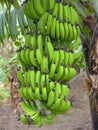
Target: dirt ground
78 117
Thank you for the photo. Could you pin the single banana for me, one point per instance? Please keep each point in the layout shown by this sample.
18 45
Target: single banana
38 78
32 58
62 30
51 4
57 30
39 56
59 74
53 28
42 24
50 100
40 43
31 93
23 119
52 70
49 49
44 65
66 31
33 41
76 44
37 93
58 90
32 79
50 17
70 38
20 77
60 12
62 57
38 7
55 10
44 93
64 92
66 12
56 58
66 59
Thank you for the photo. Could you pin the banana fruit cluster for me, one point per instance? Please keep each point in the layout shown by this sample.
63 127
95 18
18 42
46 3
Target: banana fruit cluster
56 19
43 80
45 70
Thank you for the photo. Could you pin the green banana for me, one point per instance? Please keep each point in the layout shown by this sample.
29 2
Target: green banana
76 44
56 58
23 119
53 28
57 91
60 12
44 65
20 77
57 30
50 98
32 79
55 10
64 92
62 30
49 49
33 41
52 70
39 56
27 108
51 4
32 58
38 7
43 23
59 74
50 17
33 13
40 43
66 31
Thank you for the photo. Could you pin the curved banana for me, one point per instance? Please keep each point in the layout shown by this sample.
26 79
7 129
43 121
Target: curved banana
33 41
32 58
58 90
23 119
59 74
38 7
57 30
55 10
52 70
43 23
44 65
62 30
66 31
64 92
50 100
39 56
49 50
60 12
53 28
32 79
50 17
40 43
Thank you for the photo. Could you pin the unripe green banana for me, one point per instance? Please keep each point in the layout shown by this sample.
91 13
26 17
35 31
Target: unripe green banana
38 7
42 24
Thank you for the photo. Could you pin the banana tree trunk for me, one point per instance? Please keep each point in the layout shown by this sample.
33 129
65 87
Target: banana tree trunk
91 59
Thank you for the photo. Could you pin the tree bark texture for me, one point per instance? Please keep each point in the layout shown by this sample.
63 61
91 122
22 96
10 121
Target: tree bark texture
91 59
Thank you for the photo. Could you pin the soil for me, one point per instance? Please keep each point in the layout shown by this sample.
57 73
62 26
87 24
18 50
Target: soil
78 117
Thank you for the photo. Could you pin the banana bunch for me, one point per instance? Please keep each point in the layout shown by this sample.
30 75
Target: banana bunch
33 9
57 29
45 70
64 12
